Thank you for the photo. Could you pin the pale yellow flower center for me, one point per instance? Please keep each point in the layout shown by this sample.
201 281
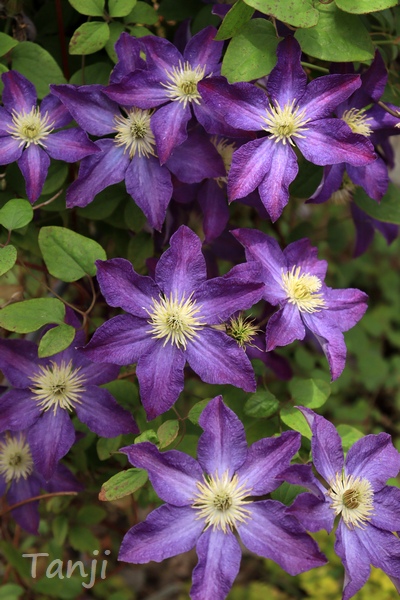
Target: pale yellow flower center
302 290
182 84
357 121
242 329
285 123
15 458
134 133
175 320
344 194
30 128
57 386
225 149
221 502
353 499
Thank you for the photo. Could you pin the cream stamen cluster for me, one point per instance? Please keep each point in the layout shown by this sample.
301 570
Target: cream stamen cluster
285 123
175 320
15 458
357 121
301 289
353 499
58 386
242 329
30 128
225 149
182 84
134 133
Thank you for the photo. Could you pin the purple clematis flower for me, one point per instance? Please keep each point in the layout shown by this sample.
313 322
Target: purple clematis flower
208 499
26 133
366 227
294 280
292 113
369 510
19 479
173 319
47 390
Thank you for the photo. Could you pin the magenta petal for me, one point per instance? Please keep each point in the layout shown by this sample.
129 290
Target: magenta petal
272 533
10 150
250 164
274 188
203 51
167 531
373 457
70 145
355 560
160 375
169 124
182 268
34 164
222 447
103 415
287 80
18 410
217 358
324 94
219 562
19 93
173 474
284 327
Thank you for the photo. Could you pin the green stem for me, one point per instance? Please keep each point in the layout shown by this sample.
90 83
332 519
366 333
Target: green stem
315 67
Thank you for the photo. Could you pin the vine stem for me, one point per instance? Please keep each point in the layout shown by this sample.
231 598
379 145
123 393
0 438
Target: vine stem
394 113
34 498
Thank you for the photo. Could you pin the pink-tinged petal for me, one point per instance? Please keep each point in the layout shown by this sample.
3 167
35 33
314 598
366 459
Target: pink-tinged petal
18 410
213 203
313 514
122 340
287 80
346 307
91 109
161 55
274 188
203 51
142 89
331 339
250 164
19 361
169 124
373 178
122 287
150 186
217 358
332 180
302 254
272 533
70 145
382 548
324 94
222 446
173 474
374 458
219 562
331 141
59 115
354 558
242 105
284 327
265 460
34 164
97 172
167 531
27 516
19 94
160 375
10 150
326 445
386 513
196 159
50 438
102 414
182 268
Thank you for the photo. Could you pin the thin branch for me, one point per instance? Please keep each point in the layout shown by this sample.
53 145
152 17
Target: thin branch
394 113
34 498
48 201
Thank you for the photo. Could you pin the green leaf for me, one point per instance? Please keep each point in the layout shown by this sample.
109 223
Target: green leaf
294 419
69 255
15 559
11 591
167 432
16 213
56 176
123 484
312 393
89 38
82 539
8 256
142 13
261 404
287 492
300 13
196 410
147 436
120 8
349 435
251 53
37 65
125 392
338 37
237 16
116 29
140 248
97 73
90 515
60 527
56 339
107 446
90 8
177 11
61 589
30 315
6 43
364 6
387 211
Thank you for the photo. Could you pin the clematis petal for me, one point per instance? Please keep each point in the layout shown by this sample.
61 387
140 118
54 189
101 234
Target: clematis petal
59 115
373 178
373 457
18 410
27 516
169 125
287 80
129 60
330 338
142 89
303 475
356 562
10 149
161 55
70 145
302 254
250 164
167 531
373 85
272 533
382 548
213 203
34 164
203 50
284 327
173 474
346 306
324 94
103 415
331 182
196 159
222 446
386 513
19 93
18 361
314 514
219 562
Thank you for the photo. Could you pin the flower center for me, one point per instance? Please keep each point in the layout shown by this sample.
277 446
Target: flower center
221 501
225 149
357 121
285 123
302 290
15 458
134 132
30 128
175 320
242 330
353 498
58 386
182 84
345 193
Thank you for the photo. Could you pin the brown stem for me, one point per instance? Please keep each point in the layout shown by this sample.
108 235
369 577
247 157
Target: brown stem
34 498
48 201
63 41
394 113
